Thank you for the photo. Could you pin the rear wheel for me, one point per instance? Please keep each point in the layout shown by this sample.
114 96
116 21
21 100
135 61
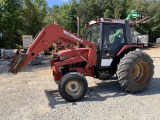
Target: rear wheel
135 71
73 87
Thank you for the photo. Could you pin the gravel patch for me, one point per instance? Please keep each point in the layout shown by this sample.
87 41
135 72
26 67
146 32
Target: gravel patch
33 95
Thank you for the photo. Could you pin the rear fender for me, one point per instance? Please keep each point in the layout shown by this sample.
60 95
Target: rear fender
128 47
120 54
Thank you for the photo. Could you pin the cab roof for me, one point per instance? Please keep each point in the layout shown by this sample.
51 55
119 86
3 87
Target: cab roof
108 20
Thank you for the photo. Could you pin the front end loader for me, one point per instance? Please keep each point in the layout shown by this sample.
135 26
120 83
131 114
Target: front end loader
108 49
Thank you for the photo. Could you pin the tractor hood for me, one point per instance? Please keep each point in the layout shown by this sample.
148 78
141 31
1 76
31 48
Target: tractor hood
70 53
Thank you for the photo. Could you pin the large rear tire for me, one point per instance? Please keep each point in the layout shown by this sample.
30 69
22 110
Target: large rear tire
135 71
73 87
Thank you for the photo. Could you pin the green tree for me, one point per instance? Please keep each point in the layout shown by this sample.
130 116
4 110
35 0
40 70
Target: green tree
34 13
11 23
64 15
20 17
91 9
153 11
52 14
61 16
72 17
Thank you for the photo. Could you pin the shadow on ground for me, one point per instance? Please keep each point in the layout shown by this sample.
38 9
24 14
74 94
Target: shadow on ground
94 93
101 92
54 98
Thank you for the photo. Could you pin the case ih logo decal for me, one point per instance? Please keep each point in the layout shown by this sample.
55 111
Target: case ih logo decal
73 36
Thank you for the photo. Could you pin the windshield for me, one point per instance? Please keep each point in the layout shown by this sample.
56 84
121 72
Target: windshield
93 33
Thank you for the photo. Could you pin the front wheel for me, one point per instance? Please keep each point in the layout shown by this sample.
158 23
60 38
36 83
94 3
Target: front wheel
73 87
135 71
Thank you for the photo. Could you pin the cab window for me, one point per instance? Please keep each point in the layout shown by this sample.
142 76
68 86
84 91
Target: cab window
113 36
93 33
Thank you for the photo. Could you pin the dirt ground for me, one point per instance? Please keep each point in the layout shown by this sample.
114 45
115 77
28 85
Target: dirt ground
33 95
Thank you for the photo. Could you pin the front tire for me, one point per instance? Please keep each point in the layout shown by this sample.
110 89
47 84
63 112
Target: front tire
135 71
73 87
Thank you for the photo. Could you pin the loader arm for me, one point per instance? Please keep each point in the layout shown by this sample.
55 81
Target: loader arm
49 34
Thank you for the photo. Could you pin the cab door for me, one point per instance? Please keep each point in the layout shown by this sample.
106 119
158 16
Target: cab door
113 40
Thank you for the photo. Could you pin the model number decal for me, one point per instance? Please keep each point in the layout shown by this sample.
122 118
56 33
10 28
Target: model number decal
73 36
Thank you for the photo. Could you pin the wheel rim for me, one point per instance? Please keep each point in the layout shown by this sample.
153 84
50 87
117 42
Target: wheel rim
73 88
140 72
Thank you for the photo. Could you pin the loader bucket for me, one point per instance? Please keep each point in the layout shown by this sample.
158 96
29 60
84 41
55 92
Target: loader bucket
17 62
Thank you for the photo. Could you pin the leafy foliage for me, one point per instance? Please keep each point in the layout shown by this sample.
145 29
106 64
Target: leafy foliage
19 17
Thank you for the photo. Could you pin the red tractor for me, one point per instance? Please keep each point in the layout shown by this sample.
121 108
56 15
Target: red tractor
108 49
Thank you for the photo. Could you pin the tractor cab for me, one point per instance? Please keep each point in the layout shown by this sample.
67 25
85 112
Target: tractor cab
110 36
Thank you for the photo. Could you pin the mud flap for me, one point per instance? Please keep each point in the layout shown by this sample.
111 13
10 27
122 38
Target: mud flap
16 63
